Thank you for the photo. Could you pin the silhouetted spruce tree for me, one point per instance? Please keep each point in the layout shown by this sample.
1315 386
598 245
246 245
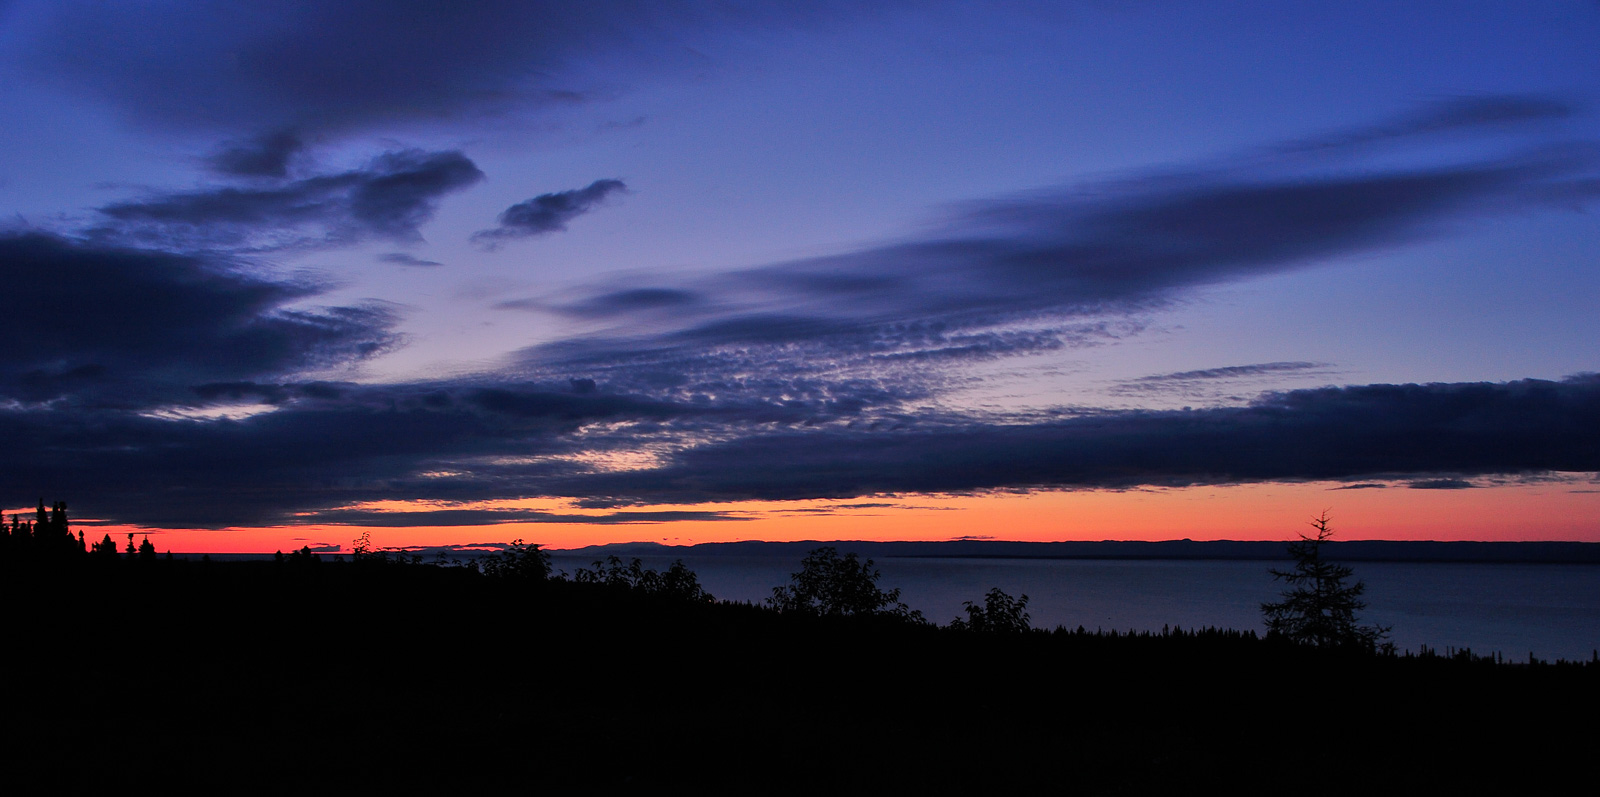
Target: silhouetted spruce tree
105 548
1320 608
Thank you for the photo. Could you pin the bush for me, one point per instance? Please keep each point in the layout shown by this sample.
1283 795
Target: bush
999 614
678 583
518 562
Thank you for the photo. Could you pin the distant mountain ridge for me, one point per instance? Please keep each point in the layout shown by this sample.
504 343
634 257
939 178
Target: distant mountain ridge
1349 551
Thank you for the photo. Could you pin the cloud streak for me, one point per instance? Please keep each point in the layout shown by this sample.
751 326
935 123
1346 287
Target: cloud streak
357 65
1066 267
389 198
547 213
492 517
329 447
1353 433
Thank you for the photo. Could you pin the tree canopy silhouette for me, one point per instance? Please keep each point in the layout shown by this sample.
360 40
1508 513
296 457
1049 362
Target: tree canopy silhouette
1319 608
1000 613
838 586
677 583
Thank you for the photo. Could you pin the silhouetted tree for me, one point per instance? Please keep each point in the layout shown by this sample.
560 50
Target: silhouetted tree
681 583
678 582
519 561
834 585
1320 608
105 548
1000 613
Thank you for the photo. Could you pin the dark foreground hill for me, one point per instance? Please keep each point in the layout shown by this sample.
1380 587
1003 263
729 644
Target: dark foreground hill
262 675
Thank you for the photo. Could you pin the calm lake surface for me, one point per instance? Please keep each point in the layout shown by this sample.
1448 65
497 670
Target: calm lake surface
1552 611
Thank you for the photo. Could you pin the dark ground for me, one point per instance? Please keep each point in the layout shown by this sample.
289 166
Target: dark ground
258 675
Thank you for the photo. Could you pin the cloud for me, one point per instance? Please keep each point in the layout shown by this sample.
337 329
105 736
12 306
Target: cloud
135 328
1231 372
1455 114
547 213
1053 270
403 259
1352 433
1217 384
322 445
488 517
267 155
626 301
1441 484
367 64
1077 265
390 198
342 445
180 389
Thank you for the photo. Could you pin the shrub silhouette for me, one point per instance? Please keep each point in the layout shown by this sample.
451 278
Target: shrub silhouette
839 586
677 583
1000 614
1320 608
518 562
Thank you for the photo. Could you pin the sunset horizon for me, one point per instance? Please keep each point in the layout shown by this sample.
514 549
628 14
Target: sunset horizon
278 277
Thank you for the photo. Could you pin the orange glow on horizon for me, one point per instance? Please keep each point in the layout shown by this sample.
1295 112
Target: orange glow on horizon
1538 511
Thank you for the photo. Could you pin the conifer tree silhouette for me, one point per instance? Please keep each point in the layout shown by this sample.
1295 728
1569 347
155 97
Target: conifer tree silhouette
1320 608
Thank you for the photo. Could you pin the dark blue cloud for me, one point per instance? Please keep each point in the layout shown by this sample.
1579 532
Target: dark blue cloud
403 259
267 155
491 517
360 64
1052 260
390 198
140 328
1352 433
339 445
1441 484
1456 114
1232 372
1216 384
547 213
626 301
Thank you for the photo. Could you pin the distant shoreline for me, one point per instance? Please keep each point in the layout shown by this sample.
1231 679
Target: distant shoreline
1408 551
1349 551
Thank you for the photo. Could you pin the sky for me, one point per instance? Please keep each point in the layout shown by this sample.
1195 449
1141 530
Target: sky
281 274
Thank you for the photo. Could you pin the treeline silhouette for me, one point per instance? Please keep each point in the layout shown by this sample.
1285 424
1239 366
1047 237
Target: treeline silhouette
383 670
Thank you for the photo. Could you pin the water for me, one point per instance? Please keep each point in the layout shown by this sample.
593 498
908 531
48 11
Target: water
1552 611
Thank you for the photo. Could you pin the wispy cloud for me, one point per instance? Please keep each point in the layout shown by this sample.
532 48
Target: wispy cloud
1219 384
1071 266
403 259
491 517
267 155
390 198
547 213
